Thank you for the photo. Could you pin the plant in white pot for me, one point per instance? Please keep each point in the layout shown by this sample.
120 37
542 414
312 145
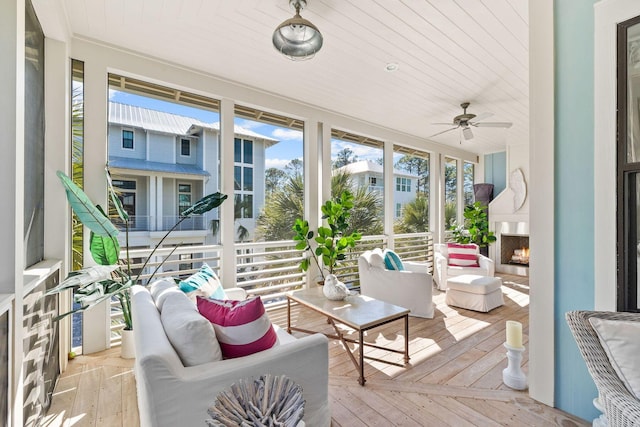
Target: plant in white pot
331 243
111 277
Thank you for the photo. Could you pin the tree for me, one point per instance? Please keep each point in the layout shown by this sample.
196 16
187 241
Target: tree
417 166
344 157
286 204
274 178
294 167
450 182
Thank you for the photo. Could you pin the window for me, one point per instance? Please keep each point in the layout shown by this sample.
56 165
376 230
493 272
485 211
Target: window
398 212
185 147
450 193
184 197
403 184
127 139
243 206
357 163
468 177
127 195
628 166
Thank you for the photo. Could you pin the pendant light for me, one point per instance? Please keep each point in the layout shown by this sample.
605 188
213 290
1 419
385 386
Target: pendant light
297 38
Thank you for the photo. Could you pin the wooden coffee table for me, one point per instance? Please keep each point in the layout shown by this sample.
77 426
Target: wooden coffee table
358 312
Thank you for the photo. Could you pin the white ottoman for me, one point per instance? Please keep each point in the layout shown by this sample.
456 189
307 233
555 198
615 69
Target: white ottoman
479 293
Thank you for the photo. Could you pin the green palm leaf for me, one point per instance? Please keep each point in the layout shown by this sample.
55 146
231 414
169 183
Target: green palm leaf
104 250
205 204
86 211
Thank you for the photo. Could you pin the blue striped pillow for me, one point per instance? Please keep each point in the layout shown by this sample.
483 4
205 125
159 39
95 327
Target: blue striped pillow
392 261
204 283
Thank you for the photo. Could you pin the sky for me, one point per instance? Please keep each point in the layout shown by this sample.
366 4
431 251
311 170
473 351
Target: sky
278 155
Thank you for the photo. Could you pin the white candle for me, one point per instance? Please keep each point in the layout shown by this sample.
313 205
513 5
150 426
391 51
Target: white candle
514 334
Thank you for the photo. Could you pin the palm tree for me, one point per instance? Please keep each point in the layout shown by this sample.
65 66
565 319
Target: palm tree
415 216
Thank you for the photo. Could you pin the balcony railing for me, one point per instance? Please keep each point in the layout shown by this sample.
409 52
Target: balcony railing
149 223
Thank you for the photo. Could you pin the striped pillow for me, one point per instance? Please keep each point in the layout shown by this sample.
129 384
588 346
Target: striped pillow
392 261
242 327
461 255
203 283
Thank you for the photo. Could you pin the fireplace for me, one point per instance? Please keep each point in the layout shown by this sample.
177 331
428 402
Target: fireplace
511 250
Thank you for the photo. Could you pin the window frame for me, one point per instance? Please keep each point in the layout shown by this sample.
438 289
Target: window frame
133 139
179 193
182 146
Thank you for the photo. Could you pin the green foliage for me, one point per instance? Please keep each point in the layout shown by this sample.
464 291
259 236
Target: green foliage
415 216
93 285
332 242
476 227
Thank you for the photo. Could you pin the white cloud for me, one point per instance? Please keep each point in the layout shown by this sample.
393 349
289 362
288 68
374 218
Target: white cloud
112 93
362 151
287 134
249 124
276 163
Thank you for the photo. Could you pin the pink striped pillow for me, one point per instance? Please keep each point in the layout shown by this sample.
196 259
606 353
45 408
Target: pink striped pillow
242 327
461 255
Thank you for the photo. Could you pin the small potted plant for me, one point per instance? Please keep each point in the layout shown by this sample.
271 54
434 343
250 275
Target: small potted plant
475 228
331 243
111 277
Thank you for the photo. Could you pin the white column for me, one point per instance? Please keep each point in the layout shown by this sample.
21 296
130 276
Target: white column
389 186
435 197
541 191
12 191
57 222
152 197
314 184
460 190
227 229
96 335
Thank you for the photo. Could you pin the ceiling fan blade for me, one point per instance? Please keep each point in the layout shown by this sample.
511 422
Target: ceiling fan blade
467 133
447 124
493 124
482 116
439 133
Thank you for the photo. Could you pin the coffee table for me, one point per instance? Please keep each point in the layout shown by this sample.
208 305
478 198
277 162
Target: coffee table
358 312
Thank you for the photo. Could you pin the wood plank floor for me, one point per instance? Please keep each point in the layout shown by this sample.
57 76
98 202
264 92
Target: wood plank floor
454 377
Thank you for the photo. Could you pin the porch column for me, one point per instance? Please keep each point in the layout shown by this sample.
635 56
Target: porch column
314 185
388 202
153 202
227 220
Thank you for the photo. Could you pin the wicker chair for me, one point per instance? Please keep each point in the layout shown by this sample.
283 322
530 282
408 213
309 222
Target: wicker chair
620 406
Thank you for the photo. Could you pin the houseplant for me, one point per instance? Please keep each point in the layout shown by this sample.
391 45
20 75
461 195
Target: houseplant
475 228
332 242
111 277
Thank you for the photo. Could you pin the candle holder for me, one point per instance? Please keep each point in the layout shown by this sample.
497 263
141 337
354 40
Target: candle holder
513 376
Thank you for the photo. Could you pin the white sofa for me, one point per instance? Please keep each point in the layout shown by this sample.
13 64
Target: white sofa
411 288
442 270
170 394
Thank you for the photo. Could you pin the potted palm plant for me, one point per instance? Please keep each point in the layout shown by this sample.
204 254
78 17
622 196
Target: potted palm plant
332 242
111 277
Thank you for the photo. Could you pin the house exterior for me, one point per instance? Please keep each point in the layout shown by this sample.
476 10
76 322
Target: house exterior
162 163
365 173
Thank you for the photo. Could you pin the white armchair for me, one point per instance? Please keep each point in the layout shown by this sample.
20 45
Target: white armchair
411 288
442 270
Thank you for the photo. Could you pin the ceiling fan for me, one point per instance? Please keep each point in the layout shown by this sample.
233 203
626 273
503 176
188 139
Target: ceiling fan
466 120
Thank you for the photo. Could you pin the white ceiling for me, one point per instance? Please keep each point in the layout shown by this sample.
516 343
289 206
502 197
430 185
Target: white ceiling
449 51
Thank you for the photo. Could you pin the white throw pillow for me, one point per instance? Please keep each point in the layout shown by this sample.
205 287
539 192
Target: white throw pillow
191 335
621 341
376 259
161 289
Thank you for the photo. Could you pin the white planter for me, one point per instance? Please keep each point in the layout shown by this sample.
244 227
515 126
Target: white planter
127 349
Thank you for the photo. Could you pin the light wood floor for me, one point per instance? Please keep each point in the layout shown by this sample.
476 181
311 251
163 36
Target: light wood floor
454 377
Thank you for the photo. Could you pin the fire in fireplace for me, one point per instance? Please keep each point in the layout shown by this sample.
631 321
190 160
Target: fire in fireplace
514 249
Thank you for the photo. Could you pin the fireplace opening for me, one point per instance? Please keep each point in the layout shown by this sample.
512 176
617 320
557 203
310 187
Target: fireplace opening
514 249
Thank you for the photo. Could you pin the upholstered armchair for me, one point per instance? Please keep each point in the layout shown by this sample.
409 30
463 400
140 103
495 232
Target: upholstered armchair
410 288
443 268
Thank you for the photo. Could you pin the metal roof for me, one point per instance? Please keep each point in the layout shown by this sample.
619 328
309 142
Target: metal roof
160 121
364 166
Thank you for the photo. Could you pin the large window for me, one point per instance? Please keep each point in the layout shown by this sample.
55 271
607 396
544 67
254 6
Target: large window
127 139
357 167
185 199
450 193
268 174
468 177
411 195
628 233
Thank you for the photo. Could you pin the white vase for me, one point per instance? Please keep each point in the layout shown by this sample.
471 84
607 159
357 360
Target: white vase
334 289
127 348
